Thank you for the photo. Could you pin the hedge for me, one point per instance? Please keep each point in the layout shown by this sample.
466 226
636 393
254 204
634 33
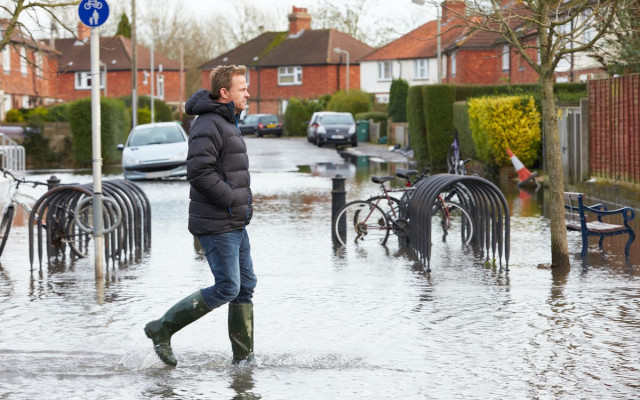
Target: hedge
115 124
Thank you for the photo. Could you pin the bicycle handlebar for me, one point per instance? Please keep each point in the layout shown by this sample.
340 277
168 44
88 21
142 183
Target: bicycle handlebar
20 181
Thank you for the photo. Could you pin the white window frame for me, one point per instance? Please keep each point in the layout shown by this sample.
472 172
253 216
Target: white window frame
385 70
506 57
453 63
39 64
160 87
82 80
289 76
6 58
284 103
23 61
421 68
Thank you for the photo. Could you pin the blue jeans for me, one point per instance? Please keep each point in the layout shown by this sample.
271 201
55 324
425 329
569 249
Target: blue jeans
229 256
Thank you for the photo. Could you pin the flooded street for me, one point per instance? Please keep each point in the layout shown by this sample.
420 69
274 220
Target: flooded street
352 324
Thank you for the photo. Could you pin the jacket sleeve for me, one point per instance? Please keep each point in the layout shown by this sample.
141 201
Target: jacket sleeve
203 171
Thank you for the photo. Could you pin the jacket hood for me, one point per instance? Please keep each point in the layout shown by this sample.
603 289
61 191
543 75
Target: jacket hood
201 103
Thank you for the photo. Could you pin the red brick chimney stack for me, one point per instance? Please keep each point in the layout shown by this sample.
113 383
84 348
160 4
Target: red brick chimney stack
84 32
299 19
451 9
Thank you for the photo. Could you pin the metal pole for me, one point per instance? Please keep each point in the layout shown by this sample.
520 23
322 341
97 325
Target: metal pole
96 152
181 76
439 47
134 67
153 83
338 200
347 53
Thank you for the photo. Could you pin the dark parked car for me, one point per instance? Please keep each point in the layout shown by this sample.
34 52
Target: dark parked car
155 151
260 125
334 127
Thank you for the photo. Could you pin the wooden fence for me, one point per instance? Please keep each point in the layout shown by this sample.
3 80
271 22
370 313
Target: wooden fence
614 128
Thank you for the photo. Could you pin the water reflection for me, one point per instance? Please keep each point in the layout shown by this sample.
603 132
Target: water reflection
347 323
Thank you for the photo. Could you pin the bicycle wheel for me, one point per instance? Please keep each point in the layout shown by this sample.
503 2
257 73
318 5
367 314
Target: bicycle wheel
5 226
454 220
79 241
361 221
390 206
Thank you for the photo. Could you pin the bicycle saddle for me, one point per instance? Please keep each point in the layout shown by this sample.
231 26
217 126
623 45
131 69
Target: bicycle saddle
406 173
382 179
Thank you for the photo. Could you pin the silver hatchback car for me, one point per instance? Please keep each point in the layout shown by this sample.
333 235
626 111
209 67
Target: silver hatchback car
155 151
332 127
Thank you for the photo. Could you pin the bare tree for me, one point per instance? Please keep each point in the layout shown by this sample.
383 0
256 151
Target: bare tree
543 33
30 18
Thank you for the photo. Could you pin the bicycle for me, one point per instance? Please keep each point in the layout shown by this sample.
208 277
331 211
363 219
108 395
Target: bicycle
378 216
455 163
59 221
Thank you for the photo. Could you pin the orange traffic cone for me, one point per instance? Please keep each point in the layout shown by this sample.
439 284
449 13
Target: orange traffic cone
524 175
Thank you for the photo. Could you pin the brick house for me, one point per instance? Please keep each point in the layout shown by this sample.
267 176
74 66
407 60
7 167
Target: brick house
412 57
299 63
74 79
28 73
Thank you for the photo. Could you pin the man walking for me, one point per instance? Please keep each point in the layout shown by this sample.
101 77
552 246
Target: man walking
220 209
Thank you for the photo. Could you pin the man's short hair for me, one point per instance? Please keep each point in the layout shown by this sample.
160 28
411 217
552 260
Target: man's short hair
221 77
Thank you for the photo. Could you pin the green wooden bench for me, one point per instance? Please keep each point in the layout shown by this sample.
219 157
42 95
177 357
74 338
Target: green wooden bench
576 220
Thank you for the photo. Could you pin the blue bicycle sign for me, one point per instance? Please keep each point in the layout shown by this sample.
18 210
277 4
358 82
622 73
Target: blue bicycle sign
93 13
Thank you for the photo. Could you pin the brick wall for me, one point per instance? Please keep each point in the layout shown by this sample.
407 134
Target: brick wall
614 128
30 84
474 67
318 80
119 84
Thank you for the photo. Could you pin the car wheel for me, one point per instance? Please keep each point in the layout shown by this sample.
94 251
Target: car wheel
318 141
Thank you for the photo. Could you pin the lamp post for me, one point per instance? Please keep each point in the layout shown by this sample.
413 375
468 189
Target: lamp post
438 41
339 50
153 83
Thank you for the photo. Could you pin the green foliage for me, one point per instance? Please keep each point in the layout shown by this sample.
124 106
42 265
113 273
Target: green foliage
161 109
438 112
36 147
59 112
41 112
114 129
461 124
624 43
298 114
398 100
144 116
353 101
417 128
14 115
124 27
498 123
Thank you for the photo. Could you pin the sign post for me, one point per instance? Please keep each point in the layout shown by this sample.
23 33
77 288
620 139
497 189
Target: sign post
94 13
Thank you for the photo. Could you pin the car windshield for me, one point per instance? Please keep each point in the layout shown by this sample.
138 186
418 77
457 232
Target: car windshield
269 119
155 135
336 119
250 119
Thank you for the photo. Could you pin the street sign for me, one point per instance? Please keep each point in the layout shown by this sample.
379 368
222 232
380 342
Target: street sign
93 13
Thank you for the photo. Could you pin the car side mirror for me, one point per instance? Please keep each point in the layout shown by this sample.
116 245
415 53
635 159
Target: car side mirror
120 147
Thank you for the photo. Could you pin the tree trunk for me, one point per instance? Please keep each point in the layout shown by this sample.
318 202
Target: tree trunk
559 246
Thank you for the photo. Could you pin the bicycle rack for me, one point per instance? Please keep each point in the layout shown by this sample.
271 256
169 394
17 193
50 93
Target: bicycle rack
61 216
484 202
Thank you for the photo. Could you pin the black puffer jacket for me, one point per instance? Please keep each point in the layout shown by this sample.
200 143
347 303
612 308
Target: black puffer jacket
217 168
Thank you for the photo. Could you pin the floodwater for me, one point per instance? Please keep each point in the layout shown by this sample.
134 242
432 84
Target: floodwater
354 324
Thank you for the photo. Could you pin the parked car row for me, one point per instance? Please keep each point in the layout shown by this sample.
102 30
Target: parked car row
332 127
159 150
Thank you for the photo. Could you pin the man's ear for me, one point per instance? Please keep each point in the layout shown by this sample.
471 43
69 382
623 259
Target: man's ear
224 93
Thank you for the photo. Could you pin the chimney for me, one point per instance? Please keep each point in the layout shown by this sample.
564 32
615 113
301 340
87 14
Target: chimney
83 32
451 9
299 20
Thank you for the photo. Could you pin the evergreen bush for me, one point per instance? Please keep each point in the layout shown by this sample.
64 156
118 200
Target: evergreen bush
417 128
353 101
14 115
162 112
498 123
398 100
114 124
298 114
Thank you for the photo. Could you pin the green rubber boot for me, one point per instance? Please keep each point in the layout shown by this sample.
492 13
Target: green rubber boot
241 331
177 317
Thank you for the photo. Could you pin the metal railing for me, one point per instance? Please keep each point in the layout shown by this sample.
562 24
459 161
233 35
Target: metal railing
12 155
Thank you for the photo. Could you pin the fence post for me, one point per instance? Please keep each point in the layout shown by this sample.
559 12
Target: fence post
338 199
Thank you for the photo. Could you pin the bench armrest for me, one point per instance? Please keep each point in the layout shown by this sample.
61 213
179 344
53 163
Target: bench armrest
601 210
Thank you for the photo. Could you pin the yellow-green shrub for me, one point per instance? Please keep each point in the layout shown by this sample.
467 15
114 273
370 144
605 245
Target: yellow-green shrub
498 123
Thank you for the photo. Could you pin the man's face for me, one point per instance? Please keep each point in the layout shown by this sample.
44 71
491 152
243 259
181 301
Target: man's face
238 92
